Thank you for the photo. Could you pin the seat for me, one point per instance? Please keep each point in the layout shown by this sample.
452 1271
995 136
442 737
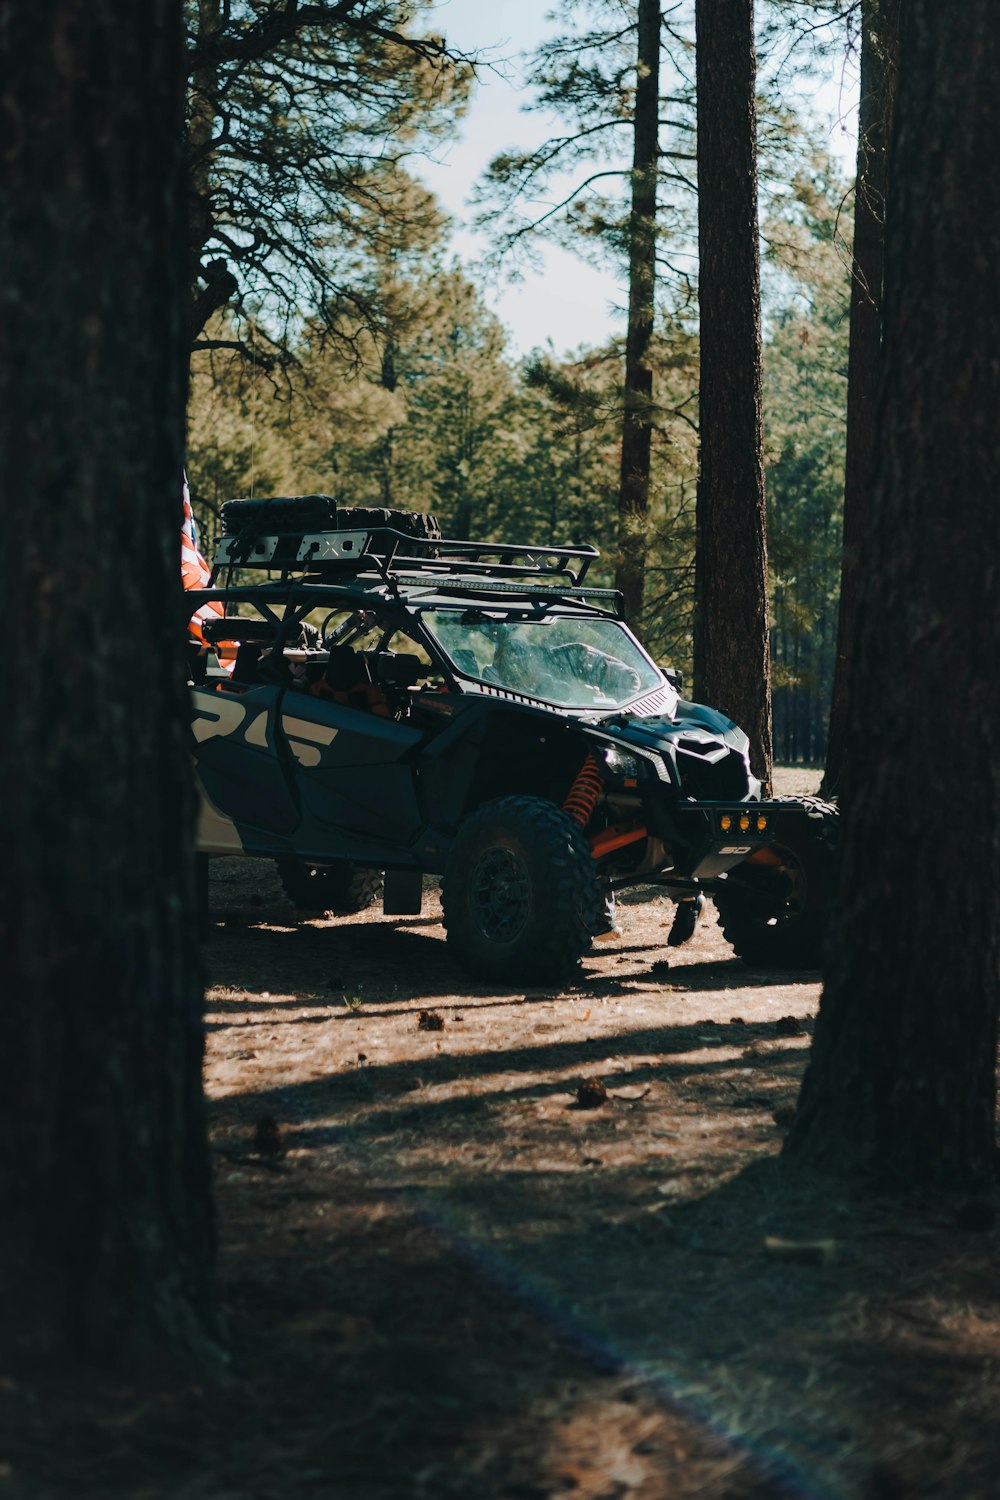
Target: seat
345 669
245 665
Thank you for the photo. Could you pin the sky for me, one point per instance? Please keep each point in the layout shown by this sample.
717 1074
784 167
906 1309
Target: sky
565 304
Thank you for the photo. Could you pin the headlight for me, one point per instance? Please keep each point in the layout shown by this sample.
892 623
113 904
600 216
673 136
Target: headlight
622 766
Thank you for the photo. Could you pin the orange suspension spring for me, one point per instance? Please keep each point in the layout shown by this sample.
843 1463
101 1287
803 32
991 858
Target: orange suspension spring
585 793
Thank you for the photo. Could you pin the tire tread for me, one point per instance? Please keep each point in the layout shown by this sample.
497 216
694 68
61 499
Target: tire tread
571 897
341 888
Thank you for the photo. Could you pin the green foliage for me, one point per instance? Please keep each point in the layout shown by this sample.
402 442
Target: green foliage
430 413
421 413
300 119
423 408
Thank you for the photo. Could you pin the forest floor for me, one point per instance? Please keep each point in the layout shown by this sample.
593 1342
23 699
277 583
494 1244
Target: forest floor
445 1278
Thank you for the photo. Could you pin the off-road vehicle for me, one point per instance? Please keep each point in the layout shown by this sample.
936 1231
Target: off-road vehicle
403 704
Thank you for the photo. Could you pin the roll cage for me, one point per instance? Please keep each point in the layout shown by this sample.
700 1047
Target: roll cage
381 578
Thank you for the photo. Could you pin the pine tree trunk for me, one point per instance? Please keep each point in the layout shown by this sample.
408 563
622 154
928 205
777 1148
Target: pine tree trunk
637 423
779 648
731 661
902 1077
879 45
106 1230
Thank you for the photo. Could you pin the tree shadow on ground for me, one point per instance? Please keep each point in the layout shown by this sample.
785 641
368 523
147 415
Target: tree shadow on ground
385 957
658 1272
548 1272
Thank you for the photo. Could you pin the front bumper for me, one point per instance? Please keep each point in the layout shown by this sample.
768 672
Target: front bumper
722 835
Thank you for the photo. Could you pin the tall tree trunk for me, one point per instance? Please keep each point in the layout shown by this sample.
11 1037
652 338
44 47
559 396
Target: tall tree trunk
731 659
637 423
902 1077
106 1230
879 46
796 750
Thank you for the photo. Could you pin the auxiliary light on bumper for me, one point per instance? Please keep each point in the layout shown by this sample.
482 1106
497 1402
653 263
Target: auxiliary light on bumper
743 822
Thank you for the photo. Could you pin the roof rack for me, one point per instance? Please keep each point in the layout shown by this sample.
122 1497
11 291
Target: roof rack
291 551
377 549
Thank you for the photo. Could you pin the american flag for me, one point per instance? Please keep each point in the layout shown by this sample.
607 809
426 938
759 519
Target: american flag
196 574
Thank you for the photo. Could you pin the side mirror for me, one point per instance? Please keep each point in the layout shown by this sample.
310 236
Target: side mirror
675 678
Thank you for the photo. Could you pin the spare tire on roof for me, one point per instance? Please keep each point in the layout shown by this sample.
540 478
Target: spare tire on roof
279 513
419 524
304 513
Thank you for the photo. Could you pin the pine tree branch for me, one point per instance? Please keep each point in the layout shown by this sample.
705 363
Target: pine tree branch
550 212
287 21
276 26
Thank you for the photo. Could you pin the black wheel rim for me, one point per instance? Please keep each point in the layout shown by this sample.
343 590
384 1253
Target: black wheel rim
500 895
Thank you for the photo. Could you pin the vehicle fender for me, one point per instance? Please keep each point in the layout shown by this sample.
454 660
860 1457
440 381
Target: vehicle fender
498 750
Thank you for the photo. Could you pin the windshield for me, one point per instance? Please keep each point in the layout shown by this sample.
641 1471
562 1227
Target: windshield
574 663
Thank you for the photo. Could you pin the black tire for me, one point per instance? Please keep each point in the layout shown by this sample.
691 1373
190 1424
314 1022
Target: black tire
279 513
302 513
520 892
776 917
340 888
414 523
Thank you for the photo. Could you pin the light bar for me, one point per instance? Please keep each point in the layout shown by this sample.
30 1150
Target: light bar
484 584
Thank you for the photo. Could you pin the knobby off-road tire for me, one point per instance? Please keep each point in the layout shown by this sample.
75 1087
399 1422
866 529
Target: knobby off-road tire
340 888
290 513
420 525
777 918
520 892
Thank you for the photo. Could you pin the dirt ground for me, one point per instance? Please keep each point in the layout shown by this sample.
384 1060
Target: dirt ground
445 1277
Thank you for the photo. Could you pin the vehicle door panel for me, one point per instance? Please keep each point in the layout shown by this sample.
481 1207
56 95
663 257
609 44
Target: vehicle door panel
353 772
238 759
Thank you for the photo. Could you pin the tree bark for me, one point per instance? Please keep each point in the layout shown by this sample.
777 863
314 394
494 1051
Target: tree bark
105 1228
902 1077
637 421
879 47
731 660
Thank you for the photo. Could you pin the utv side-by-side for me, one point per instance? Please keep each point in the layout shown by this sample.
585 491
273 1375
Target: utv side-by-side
396 704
